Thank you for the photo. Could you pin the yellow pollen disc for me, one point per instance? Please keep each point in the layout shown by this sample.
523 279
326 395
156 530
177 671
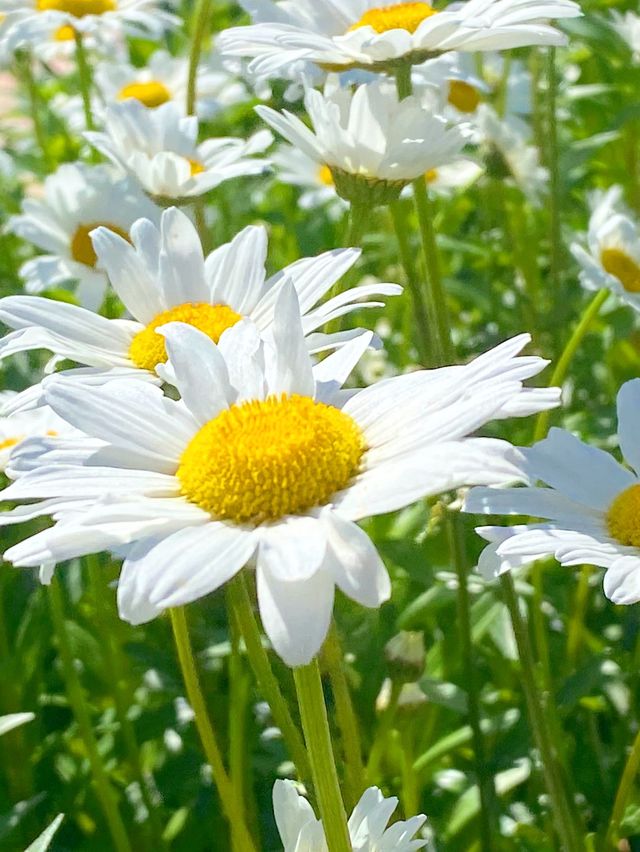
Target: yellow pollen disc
623 517
325 176
431 175
404 16
262 460
622 267
65 33
152 94
196 167
147 349
9 442
82 249
463 96
78 8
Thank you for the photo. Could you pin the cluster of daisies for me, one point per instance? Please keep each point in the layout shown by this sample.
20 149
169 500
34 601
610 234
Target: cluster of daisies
197 417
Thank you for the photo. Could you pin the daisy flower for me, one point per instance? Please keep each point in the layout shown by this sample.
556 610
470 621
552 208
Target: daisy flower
295 167
28 22
365 34
611 259
76 200
265 461
161 276
511 153
373 143
39 423
591 509
159 148
453 81
300 831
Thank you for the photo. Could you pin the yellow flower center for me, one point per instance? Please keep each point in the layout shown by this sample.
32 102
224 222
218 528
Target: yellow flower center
196 167
147 348
403 16
623 517
9 442
78 8
65 33
622 267
325 176
463 96
262 460
152 94
431 175
82 249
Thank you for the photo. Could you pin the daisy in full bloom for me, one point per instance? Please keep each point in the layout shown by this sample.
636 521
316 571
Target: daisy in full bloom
301 831
39 423
77 199
510 152
612 257
159 147
264 460
161 276
367 34
591 509
28 22
294 166
453 82
373 143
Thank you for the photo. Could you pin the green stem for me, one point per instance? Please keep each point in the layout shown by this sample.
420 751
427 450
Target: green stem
387 718
231 805
35 104
425 332
488 811
333 660
622 796
575 630
240 606
555 234
238 702
86 80
561 805
358 217
200 25
323 769
83 720
562 367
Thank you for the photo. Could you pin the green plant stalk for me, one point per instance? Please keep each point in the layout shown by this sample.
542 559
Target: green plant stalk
358 217
385 725
232 806
425 333
240 608
200 28
80 711
622 796
239 688
35 105
323 769
117 678
564 362
555 233
333 661
561 806
575 630
86 79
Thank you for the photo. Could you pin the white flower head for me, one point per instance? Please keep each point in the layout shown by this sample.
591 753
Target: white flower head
367 34
265 460
371 136
295 167
509 140
77 199
39 423
300 831
591 509
159 148
453 82
30 22
162 276
611 258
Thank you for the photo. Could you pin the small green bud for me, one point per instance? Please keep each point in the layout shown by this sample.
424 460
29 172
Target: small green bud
405 655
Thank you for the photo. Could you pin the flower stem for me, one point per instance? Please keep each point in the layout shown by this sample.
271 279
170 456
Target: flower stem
231 805
35 104
358 216
425 333
240 608
200 25
86 81
318 738
561 805
555 234
333 660
83 720
622 796
564 362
